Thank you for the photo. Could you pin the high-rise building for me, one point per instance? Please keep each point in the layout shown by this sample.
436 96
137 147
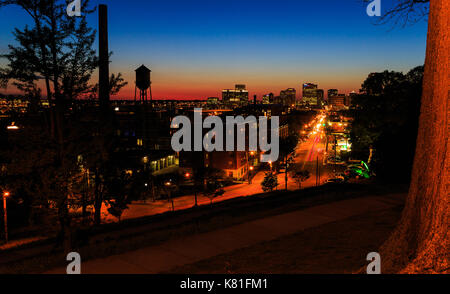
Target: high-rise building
320 97
332 92
268 99
288 97
237 95
312 96
337 101
349 98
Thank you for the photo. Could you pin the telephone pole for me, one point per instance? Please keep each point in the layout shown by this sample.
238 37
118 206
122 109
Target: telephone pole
5 215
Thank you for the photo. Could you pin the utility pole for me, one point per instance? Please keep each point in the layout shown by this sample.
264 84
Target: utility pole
317 172
335 155
286 173
248 168
5 214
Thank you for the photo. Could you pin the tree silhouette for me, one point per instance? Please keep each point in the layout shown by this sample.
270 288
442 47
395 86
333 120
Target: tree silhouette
300 176
386 118
287 147
270 182
58 49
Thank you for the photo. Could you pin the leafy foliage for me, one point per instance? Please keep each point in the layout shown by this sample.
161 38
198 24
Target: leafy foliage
270 182
386 117
211 177
300 176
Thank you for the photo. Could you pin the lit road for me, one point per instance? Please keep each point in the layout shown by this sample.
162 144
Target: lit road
311 156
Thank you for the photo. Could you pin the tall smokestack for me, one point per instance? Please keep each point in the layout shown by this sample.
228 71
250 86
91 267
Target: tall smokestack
103 56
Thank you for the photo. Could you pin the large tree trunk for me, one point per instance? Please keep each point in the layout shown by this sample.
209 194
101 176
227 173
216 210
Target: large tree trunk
420 244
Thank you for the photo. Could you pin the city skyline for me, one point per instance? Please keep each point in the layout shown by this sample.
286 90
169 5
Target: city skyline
197 49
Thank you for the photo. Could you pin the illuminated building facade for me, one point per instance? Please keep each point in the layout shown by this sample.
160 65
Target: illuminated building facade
288 97
237 95
312 95
337 101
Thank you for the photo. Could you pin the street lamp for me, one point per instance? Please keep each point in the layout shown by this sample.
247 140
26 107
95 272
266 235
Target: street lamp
12 127
168 184
5 214
250 175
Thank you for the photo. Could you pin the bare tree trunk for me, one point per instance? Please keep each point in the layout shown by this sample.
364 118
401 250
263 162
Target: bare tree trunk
420 244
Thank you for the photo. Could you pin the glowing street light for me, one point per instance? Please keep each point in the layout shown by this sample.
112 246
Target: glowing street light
250 169
168 184
12 127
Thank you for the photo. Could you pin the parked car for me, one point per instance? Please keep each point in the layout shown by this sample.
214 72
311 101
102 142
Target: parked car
333 160
337 180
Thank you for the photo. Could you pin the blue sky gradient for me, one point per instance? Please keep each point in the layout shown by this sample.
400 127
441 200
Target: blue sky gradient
196 48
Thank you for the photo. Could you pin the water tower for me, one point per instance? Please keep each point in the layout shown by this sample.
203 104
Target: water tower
143 83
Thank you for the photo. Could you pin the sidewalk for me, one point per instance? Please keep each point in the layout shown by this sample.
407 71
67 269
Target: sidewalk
141 209
175 253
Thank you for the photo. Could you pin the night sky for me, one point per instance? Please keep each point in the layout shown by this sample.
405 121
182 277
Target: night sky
197 48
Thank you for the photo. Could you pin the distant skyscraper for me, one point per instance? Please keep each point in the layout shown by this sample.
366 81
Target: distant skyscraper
349 98
268 99
337 101
238 95
312 96
288 97
320 97
332 92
